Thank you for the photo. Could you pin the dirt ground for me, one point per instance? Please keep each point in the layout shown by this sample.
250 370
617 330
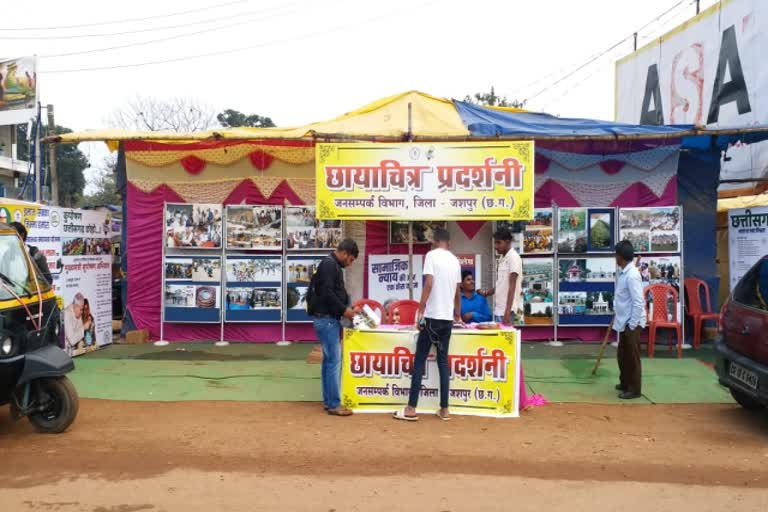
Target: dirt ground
220 456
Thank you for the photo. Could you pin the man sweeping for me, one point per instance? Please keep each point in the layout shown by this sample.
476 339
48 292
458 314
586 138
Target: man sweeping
629 321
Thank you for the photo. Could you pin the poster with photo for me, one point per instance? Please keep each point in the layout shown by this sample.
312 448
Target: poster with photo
538 291
538 235
303 231
299 271
602 229
586 288
193 226
388 277
254 228
572 230
422 231
654 230
86 280
192 289
254 289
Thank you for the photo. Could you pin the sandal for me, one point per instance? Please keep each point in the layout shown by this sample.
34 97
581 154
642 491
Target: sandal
340 411
443 417
400 415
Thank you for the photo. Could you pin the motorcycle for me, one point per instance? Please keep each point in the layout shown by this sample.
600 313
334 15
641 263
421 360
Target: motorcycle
33 368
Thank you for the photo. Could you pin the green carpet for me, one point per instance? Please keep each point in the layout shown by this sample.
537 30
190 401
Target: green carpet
247 372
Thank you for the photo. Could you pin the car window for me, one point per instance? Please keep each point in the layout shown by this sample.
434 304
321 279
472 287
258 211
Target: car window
746 292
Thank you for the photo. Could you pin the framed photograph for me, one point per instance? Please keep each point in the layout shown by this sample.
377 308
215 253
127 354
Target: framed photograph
197 269
586 288
193 226
254 228
299 271
538 233
254 270
538 291
305 232
659 269
572 230
297 298
422 231
602 229
192 303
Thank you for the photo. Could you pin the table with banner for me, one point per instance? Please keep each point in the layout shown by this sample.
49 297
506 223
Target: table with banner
428 182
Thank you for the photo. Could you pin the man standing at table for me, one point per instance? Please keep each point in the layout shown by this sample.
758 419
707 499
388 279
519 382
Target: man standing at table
328 301
629 321
439 308
509 278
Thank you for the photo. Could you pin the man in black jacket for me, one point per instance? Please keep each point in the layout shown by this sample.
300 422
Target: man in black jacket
36 254
328 302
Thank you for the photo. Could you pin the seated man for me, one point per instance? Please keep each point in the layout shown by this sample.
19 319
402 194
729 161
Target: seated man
474 307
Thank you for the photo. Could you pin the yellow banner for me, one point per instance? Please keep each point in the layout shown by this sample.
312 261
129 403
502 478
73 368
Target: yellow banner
484 366
450 181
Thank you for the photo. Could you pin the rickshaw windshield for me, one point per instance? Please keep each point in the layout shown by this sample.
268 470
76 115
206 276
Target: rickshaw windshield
15 269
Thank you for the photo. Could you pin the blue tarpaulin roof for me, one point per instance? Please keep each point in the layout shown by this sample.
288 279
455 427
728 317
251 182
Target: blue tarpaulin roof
486 122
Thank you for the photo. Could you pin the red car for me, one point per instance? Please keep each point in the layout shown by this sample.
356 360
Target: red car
742 349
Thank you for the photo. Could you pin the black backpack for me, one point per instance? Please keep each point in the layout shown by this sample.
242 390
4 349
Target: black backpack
311 292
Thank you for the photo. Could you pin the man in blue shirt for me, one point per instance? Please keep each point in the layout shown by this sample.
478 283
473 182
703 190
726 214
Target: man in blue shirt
474 307
628 321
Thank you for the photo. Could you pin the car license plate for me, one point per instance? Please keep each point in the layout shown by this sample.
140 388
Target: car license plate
743 375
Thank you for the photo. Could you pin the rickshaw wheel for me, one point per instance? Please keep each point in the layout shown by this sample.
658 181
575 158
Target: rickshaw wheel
62 405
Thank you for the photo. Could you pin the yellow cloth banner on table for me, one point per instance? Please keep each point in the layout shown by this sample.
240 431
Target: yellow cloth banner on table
404 181
484 366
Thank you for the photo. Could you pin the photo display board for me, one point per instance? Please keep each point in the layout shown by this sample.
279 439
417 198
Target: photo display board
193 226
586 230
304 232
652 230
586 289
192 291
538 292
254 286
299 271
254 228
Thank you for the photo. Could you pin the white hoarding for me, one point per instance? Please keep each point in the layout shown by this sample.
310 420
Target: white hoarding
708 71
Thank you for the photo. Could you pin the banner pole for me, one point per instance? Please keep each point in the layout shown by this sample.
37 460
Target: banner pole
162 342
411 275
284 285
223 279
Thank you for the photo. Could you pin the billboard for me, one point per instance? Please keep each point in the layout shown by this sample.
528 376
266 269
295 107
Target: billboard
18 90
709 72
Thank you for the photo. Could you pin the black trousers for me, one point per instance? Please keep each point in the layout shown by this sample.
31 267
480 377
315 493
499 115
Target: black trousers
628 356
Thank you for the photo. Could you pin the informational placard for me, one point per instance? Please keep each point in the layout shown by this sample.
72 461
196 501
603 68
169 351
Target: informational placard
586 290
192 289
254 289
388 277
43 225
406 181
299 272
747 240
484 368
86 280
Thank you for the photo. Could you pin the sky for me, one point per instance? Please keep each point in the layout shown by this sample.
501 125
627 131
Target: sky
299 61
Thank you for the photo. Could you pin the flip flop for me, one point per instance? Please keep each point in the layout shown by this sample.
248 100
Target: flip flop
444 418
400 415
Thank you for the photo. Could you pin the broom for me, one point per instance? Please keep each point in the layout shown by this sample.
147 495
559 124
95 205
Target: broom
602 348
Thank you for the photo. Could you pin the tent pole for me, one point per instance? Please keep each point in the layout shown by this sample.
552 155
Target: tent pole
411 274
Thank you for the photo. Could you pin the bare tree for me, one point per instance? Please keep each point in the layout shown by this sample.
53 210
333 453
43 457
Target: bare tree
154 114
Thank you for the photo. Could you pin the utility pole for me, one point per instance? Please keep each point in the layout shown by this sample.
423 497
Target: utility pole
52 159
698 6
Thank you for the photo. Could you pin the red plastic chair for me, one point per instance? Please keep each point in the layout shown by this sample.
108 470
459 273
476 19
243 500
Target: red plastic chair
694 309
374 306
659 319
407 310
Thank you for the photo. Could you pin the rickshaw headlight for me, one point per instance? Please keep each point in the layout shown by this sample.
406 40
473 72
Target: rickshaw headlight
7 346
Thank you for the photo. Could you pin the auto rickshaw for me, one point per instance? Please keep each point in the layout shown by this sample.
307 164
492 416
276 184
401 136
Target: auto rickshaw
32 366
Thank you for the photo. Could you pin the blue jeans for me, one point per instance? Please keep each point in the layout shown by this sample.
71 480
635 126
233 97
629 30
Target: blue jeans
328 332
438 333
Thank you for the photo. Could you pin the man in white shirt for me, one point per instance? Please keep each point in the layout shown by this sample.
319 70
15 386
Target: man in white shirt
629 321
439 308
509 278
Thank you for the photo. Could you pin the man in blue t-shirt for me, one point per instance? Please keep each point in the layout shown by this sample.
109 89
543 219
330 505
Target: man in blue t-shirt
474 307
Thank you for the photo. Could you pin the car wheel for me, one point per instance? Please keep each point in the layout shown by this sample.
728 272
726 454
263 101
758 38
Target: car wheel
746 401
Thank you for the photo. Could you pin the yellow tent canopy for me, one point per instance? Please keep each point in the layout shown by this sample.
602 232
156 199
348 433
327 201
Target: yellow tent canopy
386 118
723 205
